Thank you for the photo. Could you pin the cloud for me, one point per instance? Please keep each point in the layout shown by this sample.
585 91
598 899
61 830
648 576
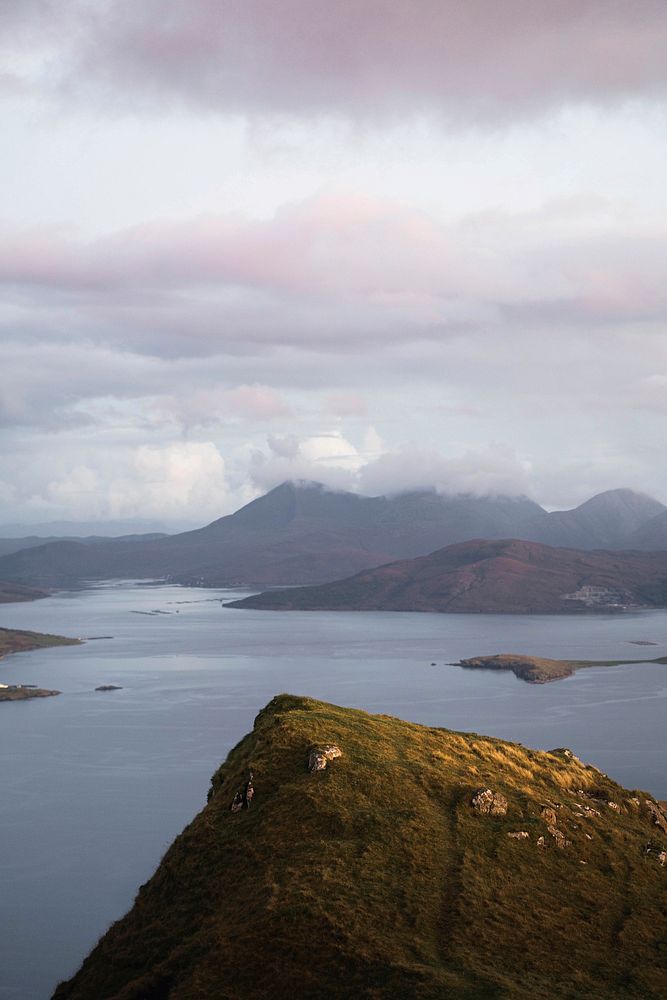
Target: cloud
346 404
371 469
494 470
180 479
326 457
476 61
334 268
501 319
203 407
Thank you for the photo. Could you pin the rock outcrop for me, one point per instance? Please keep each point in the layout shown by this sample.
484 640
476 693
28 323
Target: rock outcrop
658 816
489 803
549 815
561 840
318 757
244 796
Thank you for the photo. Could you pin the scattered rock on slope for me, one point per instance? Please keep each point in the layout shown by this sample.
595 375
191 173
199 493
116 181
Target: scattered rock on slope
489 803
319 756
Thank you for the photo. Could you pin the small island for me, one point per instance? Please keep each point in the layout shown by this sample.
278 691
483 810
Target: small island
538 670
22 692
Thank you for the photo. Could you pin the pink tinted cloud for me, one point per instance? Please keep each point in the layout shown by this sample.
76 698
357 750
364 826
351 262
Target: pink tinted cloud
475 59
333 270
355 249
257 402
348 244
346 404
201 407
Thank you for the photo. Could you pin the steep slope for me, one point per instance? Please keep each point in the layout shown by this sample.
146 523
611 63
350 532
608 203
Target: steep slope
500 576
386 875
651 535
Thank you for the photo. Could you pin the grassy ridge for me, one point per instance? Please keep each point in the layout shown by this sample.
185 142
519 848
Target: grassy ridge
377 879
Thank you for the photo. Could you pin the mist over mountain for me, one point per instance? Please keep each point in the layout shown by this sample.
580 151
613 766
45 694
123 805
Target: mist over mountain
304 533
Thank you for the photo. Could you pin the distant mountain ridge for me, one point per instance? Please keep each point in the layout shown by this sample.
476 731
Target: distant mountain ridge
10 545
304 533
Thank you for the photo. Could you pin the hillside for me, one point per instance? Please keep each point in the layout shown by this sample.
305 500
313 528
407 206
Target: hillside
10 545
609 520
386 875
651 534
500 576
302 533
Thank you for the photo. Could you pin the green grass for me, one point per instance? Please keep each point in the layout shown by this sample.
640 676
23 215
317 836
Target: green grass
376 879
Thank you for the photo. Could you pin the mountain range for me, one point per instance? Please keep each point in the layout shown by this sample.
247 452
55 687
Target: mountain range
304 533
382 860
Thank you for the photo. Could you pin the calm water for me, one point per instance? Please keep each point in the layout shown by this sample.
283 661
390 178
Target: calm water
94 786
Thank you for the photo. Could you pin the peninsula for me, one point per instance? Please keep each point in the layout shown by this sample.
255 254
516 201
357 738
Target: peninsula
12 593
14 640
538 670
20 641
23 692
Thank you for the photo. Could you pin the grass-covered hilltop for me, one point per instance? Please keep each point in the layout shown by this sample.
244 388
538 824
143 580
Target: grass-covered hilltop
383 859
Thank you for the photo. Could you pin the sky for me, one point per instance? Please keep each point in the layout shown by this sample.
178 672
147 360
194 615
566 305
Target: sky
381 244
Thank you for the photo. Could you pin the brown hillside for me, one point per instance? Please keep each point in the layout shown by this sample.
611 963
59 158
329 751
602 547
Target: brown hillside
498 576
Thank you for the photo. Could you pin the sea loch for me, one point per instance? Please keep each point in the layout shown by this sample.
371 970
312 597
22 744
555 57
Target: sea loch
95 785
